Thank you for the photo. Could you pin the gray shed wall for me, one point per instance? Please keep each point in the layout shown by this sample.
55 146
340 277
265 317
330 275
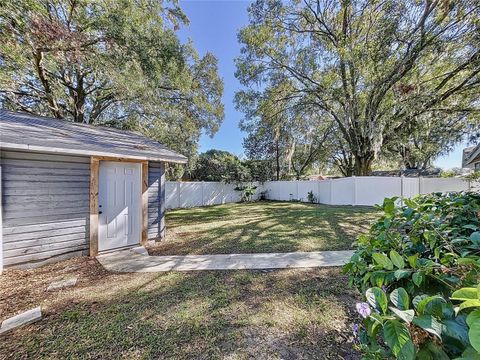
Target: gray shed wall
156 200
45 206
45 201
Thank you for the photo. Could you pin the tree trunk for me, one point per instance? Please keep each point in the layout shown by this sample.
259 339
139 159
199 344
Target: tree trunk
345 164
52 103
78 97
348 171
277 158
363 166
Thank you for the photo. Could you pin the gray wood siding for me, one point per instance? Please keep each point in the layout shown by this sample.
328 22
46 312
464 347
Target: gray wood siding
156 200
45 201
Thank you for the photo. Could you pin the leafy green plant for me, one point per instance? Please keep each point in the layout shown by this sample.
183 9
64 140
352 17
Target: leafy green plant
426 327
426 256
447 174
247 192
311 197
429 245
475 176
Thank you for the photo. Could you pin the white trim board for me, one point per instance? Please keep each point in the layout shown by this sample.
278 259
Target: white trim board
62 151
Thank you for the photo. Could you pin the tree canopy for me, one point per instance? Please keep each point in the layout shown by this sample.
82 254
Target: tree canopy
115 62
389 76
219 165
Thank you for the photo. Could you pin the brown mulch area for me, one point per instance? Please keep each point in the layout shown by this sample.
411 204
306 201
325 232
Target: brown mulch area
23 289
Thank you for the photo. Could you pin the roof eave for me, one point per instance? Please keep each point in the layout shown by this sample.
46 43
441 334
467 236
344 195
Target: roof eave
473 155
180 159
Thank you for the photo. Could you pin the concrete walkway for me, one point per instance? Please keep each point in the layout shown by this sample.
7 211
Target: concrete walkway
130 261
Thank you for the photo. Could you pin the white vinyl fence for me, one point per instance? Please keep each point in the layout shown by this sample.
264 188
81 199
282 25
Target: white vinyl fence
192 194
360 190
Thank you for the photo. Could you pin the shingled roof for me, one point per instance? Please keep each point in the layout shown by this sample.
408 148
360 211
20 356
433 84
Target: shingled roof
23 131
470 154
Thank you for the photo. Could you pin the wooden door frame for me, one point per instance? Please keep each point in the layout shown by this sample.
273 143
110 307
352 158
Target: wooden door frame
94 180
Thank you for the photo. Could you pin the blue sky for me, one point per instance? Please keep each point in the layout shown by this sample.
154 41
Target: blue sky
213 27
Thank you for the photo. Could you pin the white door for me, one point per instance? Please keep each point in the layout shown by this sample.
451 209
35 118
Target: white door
119 204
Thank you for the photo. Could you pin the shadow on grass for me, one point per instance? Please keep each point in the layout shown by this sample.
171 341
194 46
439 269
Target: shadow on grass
202 315
263 227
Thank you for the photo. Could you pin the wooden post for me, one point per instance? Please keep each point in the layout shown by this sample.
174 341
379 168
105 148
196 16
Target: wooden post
94 172
1 223
144 238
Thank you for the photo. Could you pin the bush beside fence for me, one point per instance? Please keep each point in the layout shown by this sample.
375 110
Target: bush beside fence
361 190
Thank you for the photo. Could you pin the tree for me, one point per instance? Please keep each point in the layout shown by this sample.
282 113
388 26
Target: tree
429 136
372 67
295 135
219 165
262 144
114 62
260 170
310 143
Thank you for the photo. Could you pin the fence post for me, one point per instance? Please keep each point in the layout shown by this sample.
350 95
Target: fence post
203 199
331 191
318 191
178 195
296 190
420 185
354 202
401 190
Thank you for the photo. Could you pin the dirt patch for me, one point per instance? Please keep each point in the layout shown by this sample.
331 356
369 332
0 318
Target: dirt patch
24 289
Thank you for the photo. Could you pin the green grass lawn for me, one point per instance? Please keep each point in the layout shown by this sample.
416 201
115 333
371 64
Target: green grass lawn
263 227
284 314
281 314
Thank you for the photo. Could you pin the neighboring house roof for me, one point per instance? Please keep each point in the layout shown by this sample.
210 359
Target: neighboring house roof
470 154
23 131
317 177
432 172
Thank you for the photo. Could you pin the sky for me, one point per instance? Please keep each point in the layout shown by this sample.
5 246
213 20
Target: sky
213 28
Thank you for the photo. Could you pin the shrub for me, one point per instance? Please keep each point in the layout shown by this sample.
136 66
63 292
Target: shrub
247 192
311 197
427 327
447 174
474 176
431 244
425 250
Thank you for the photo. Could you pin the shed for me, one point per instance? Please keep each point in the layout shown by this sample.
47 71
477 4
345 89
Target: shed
71 189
